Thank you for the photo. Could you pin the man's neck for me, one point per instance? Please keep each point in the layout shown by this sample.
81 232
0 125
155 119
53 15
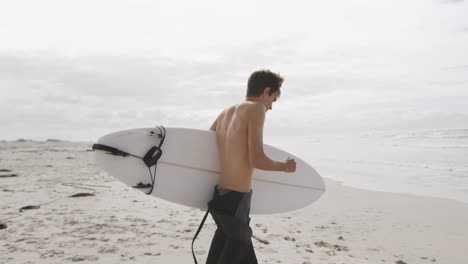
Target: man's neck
252 99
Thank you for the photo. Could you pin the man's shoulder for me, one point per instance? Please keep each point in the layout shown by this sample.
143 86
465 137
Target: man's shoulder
255 111
253 106
256 108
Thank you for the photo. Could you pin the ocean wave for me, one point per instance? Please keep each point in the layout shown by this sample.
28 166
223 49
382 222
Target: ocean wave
427 145
438 134
398 164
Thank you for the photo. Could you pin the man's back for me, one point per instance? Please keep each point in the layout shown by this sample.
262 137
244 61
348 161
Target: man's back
239 135
232 138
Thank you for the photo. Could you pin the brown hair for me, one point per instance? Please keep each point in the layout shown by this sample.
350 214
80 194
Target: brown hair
259 80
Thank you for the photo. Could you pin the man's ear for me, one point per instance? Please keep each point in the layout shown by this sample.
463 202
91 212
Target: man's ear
266 92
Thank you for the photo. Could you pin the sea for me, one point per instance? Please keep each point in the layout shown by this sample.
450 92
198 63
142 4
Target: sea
425 162
422 162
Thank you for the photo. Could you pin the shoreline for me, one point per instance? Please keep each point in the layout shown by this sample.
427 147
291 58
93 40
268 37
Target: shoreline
322 165
414 195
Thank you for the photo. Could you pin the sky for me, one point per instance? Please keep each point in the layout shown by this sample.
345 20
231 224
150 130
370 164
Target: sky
76 70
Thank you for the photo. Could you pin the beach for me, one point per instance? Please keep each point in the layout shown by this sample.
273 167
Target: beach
108 222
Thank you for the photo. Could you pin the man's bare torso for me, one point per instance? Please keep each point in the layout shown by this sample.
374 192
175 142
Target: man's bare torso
232 139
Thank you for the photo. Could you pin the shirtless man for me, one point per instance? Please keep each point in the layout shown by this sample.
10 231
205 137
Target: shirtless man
239 134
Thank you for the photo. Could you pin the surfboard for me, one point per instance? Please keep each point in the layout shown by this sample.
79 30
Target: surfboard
188 168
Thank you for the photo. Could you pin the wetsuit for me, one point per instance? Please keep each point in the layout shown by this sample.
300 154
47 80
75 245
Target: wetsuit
232 241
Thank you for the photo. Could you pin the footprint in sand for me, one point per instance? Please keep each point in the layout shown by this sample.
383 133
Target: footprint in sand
332 248
108 250
52 253
83 258
287 238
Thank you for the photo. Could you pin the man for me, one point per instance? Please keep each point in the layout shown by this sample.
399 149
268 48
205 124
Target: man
239 135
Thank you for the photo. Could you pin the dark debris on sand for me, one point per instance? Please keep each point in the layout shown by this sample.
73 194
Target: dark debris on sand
3 226
29 207
81 195
5 170
8 175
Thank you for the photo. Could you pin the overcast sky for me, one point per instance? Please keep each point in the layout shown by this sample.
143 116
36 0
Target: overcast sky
78 70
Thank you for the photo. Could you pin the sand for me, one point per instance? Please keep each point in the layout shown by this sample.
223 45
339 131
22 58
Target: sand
121 225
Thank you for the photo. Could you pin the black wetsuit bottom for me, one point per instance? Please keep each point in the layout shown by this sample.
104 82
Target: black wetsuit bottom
232 241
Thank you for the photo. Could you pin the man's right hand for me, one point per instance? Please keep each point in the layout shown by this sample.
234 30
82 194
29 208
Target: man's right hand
289 165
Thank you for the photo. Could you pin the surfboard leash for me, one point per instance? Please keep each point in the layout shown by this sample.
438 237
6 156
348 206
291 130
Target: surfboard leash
153 155
150 159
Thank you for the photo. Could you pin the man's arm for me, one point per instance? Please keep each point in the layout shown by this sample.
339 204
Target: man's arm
257 157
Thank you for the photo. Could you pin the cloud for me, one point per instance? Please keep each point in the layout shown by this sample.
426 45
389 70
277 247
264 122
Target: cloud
46 95
450 1
456 68
114 92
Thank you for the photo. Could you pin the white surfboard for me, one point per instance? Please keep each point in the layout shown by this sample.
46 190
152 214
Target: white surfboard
188 170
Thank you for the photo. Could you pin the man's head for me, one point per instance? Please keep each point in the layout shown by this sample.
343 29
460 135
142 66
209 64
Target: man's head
264 86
